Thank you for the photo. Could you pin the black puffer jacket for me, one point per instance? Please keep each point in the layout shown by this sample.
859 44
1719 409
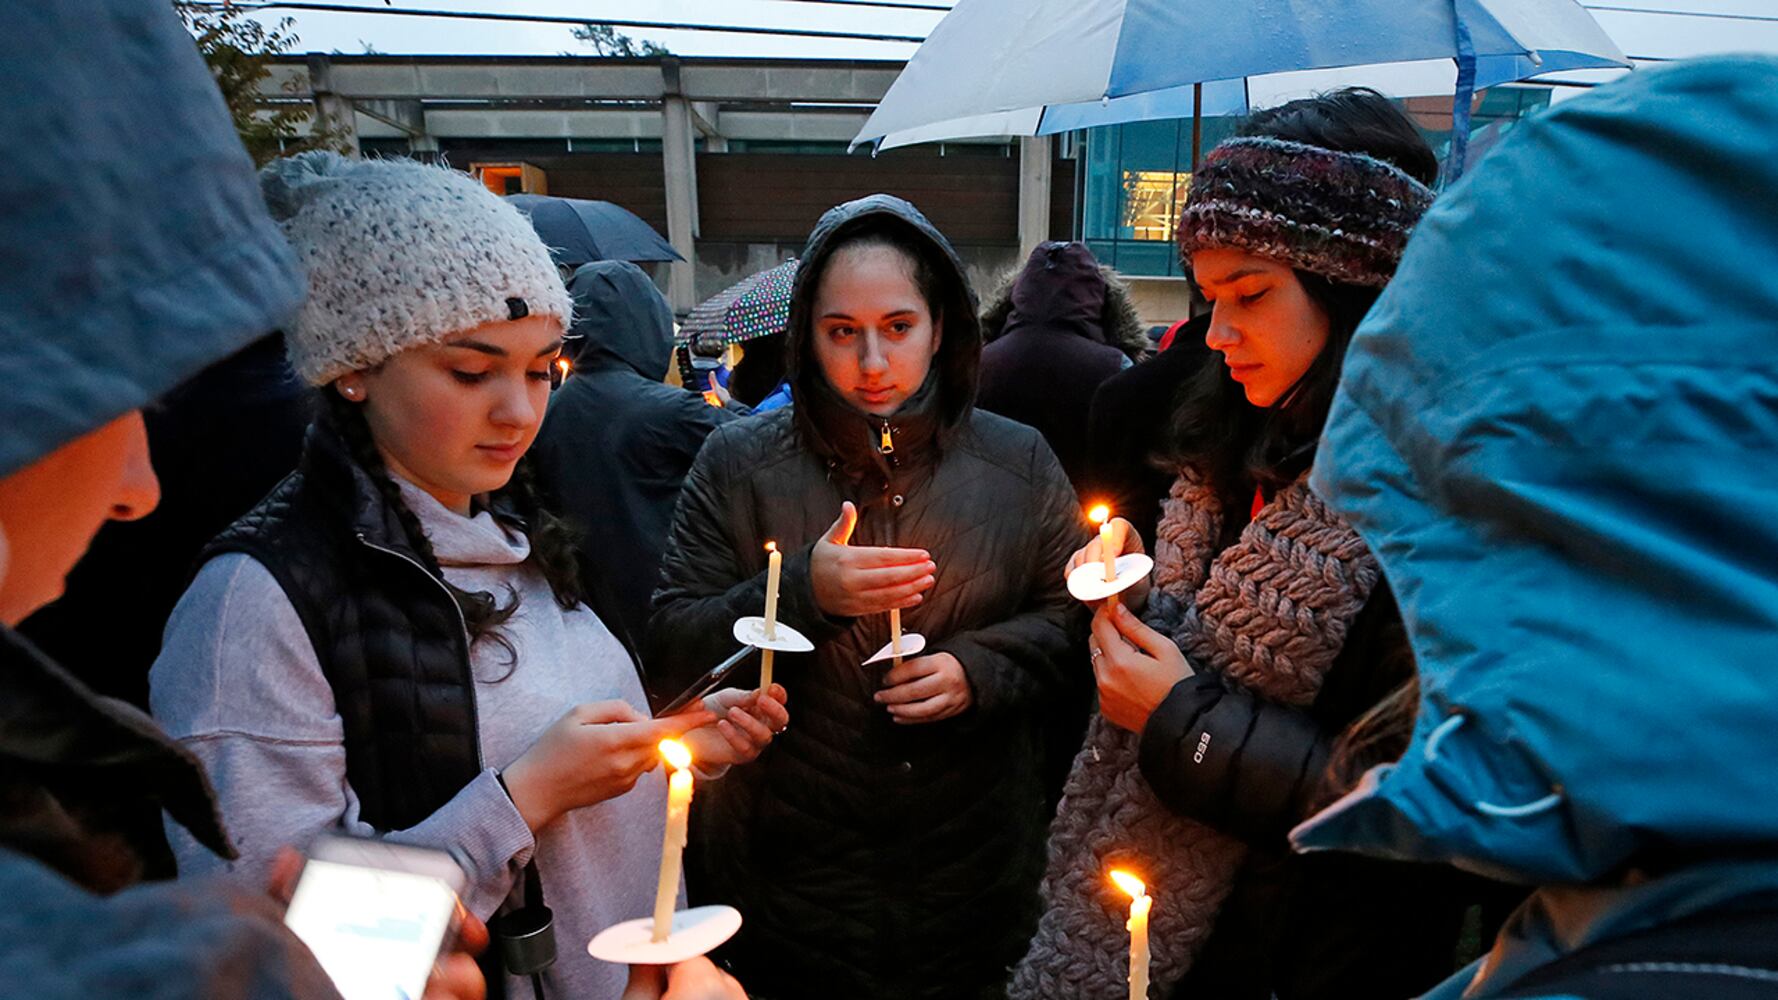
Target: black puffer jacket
1306 927
872 859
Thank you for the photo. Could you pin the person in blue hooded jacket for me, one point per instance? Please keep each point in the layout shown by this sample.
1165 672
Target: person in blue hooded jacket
1557 432
123 163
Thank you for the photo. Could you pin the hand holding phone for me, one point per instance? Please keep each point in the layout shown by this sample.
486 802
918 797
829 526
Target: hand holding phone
377 914
747 725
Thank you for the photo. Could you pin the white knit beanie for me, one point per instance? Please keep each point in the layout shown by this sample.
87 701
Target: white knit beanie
401 254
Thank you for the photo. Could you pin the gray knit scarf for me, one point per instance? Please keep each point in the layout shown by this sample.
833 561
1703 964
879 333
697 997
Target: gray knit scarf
1271 613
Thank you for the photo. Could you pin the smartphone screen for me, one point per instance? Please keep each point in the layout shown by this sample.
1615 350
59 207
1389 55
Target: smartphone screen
376 932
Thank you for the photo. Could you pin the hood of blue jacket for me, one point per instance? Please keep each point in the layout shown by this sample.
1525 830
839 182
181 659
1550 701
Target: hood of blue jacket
623 320
1558 430
134 247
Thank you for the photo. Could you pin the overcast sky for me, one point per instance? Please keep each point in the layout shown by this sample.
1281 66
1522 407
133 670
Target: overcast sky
1648 35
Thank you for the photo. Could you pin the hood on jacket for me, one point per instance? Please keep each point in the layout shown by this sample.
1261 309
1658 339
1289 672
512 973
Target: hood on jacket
1556 432
134 247
949 392
621 318
1064 287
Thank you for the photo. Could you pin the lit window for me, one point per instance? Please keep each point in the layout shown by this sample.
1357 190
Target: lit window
511 178
1152 199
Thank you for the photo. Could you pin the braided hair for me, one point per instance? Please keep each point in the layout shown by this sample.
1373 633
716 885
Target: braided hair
553 540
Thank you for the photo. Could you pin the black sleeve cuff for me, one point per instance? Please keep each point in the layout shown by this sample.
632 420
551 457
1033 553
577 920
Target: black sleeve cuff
1176 746
796 599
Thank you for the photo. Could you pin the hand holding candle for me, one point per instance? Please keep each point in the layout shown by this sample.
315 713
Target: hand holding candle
1103 569
1140 903
670 936
673 846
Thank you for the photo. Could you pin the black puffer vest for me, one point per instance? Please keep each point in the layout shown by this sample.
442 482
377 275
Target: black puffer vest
389 636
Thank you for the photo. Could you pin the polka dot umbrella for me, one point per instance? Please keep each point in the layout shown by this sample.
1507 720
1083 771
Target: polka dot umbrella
755 306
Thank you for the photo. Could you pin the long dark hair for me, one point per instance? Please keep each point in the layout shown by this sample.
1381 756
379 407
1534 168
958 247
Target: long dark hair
1214 429
1236 445
553 540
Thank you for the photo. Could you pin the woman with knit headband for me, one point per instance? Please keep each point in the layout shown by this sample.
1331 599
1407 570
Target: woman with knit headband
393 644
1269 629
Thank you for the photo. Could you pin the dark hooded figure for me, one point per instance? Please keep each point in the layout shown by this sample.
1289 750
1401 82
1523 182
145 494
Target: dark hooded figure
1130 425
888 844
618 440
1061 328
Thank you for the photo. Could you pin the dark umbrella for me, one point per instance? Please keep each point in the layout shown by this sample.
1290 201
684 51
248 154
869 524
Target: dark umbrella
578 230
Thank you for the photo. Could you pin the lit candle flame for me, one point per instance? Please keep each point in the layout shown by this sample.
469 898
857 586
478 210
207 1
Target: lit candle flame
771 546
1129 883
564 365
677 755
1099 514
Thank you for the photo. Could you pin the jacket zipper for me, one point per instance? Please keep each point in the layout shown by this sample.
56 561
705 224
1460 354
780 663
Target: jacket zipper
887 444
462 623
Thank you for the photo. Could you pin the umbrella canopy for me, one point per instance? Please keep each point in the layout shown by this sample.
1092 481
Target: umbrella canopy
755 306
579 231
1035 67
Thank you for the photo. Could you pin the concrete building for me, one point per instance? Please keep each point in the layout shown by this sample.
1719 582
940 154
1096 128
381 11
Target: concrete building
734 159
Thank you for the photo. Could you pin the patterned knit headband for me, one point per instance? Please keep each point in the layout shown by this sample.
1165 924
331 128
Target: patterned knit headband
1345 216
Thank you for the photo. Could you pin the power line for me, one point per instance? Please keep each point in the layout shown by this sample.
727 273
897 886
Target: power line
892 4
464 15
1714 15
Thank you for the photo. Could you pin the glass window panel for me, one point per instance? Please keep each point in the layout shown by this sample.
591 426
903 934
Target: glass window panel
1151 200
1137 175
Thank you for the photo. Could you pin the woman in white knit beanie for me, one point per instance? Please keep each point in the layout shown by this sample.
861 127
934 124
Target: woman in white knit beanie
393 642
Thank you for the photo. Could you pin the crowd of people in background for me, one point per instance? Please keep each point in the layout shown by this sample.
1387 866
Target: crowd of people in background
1452 677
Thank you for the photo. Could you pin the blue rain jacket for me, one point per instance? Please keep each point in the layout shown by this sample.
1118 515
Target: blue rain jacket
1558 430
134 247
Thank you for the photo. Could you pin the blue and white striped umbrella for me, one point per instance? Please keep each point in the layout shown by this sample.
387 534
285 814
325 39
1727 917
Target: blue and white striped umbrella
1038 67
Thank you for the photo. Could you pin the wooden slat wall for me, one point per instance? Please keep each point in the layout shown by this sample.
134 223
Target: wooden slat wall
632 180
777 197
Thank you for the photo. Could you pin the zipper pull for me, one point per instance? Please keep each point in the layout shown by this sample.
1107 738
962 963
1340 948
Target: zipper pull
887 445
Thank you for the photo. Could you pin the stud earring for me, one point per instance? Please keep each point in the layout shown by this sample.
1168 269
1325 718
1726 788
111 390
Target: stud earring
351 391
